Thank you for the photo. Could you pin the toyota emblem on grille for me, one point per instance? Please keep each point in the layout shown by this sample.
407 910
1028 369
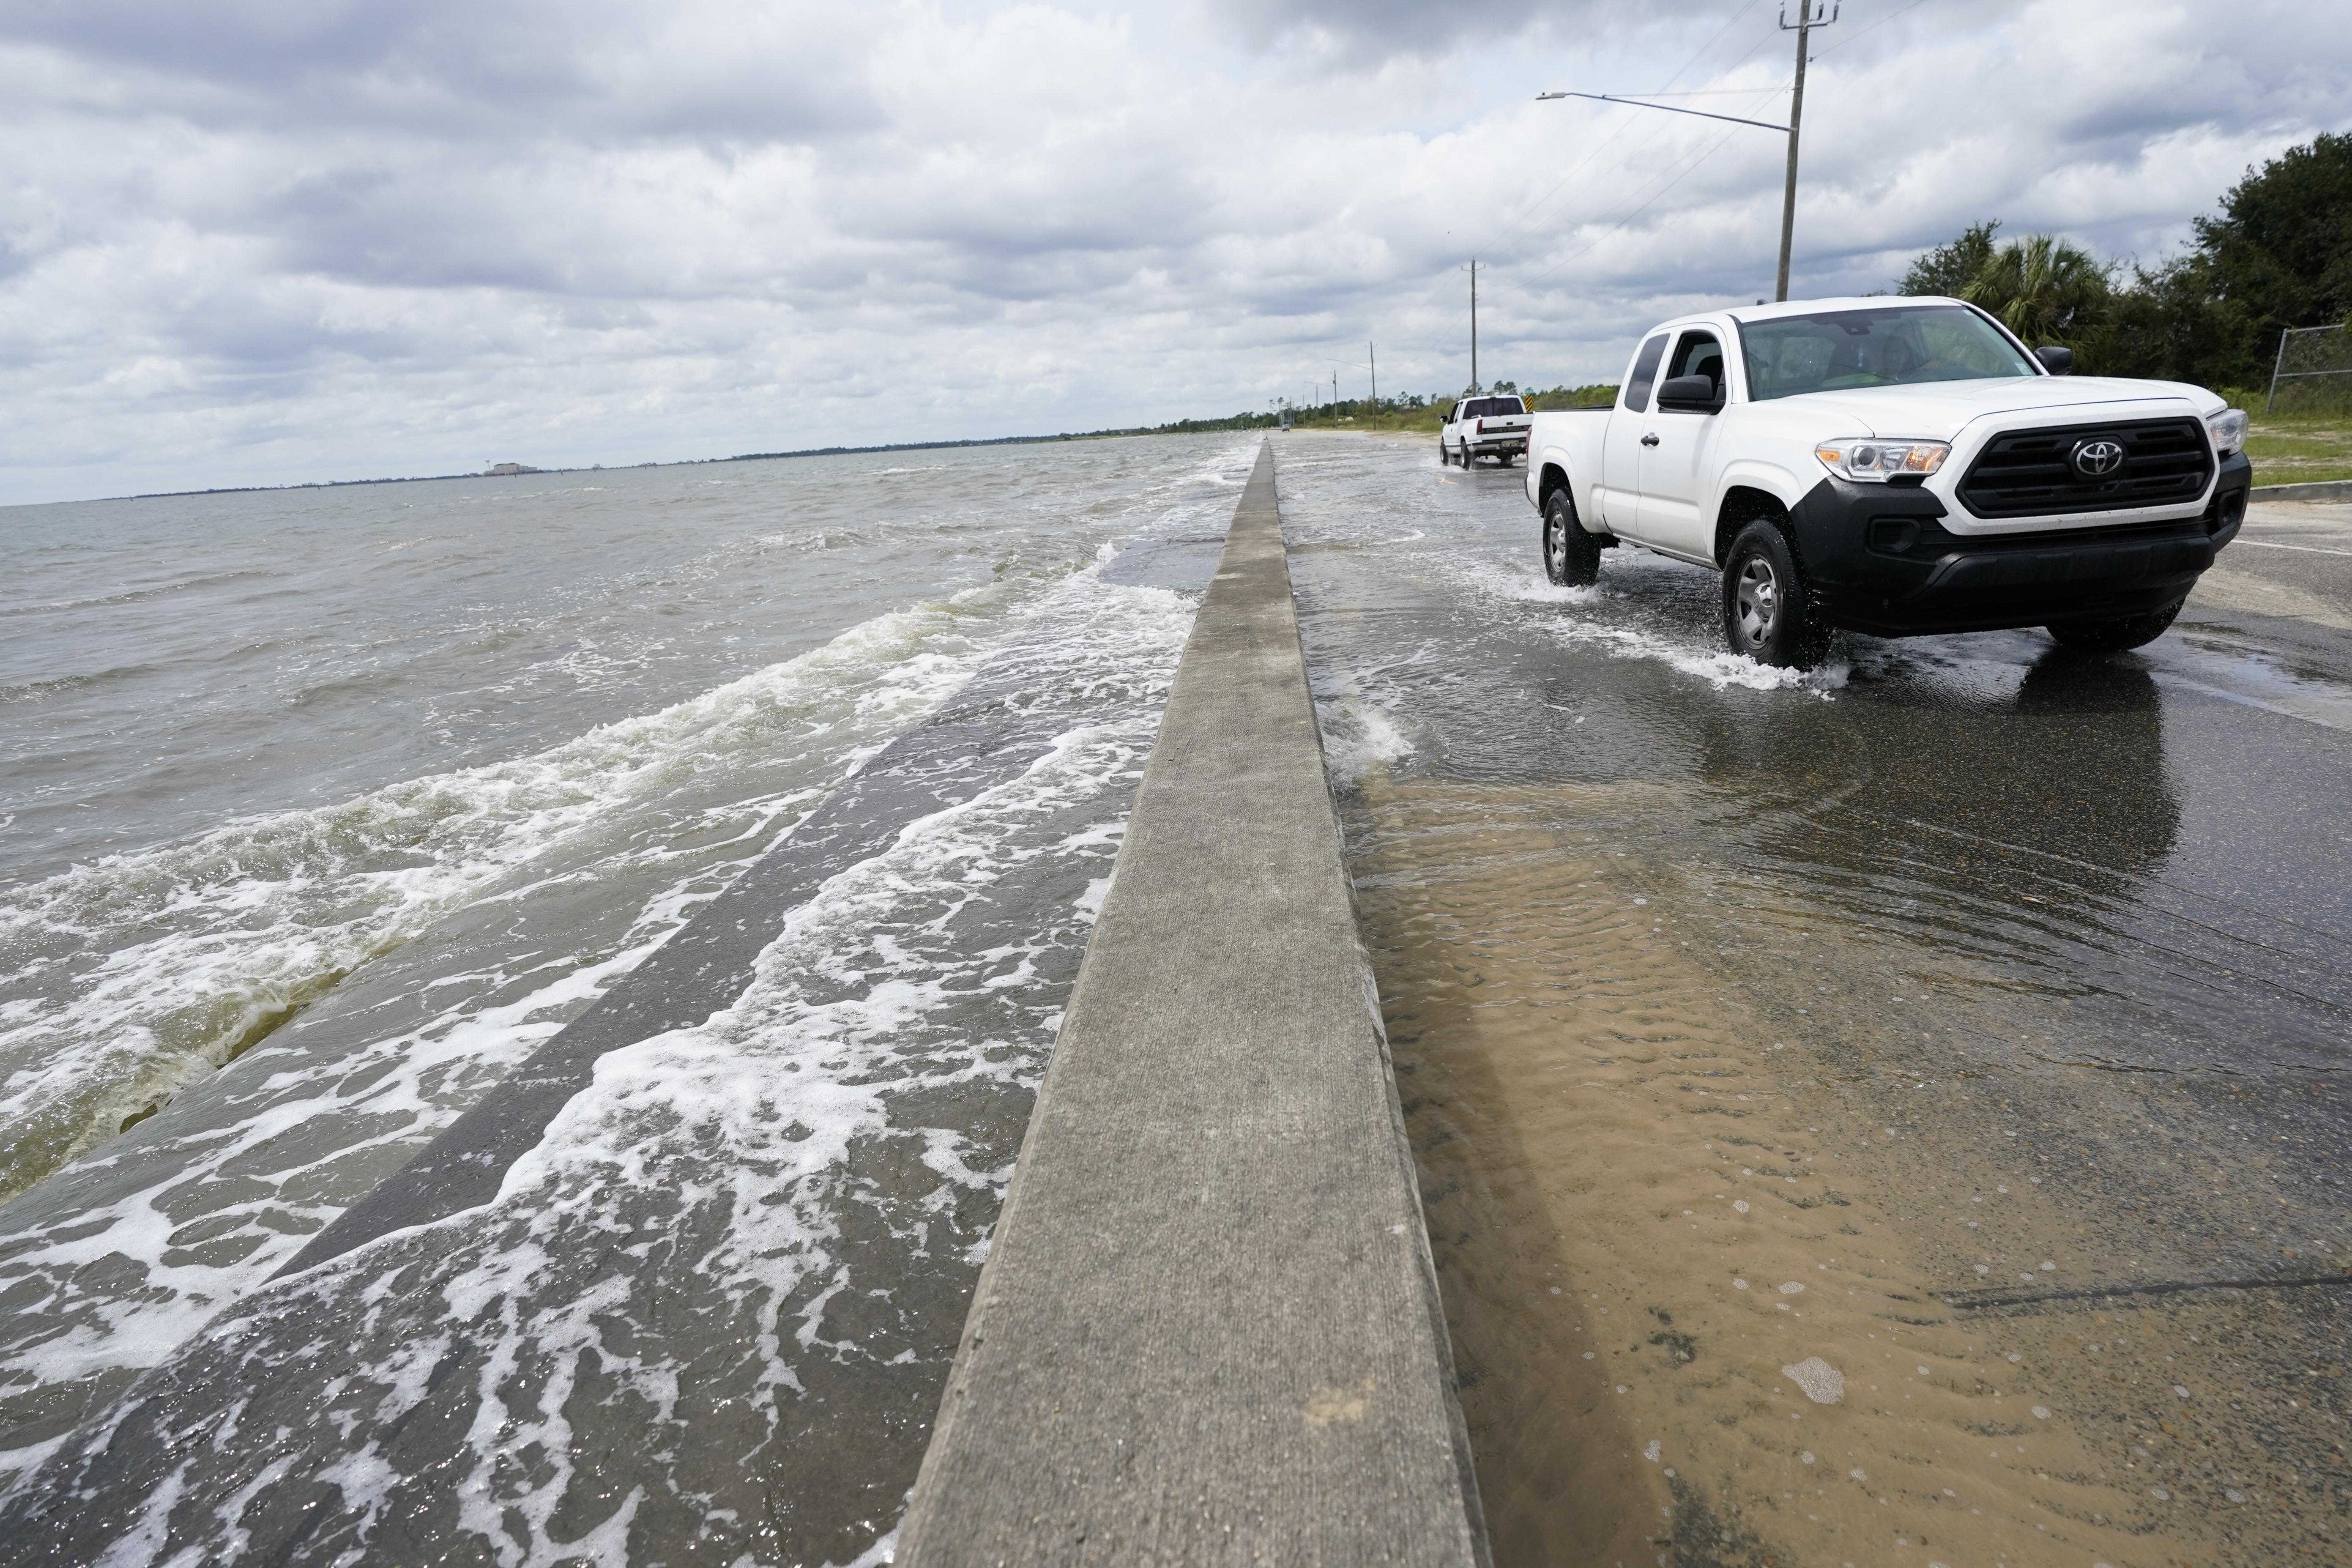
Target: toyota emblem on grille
2097 459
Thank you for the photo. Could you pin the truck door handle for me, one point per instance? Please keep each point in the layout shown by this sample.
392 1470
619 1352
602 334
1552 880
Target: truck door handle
1650 440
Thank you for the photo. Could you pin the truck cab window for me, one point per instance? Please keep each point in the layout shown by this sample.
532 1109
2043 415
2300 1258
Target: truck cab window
1646 370
1891 346
1698 353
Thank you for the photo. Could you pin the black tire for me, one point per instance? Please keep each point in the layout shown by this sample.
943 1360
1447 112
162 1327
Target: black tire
2116 634
1444 457
1571 557
1767 611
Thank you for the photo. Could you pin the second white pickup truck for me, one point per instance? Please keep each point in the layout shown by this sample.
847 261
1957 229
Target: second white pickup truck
1895 465
1478 427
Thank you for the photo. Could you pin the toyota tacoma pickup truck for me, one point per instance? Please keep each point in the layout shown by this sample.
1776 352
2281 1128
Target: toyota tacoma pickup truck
1895 465
1484 428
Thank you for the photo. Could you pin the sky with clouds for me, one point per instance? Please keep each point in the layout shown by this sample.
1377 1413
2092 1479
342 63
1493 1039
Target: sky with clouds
263 241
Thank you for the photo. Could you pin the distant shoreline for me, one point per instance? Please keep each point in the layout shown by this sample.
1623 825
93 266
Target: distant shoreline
1181 427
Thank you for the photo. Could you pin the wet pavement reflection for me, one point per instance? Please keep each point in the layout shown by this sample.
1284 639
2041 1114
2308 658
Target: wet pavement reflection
1890 1115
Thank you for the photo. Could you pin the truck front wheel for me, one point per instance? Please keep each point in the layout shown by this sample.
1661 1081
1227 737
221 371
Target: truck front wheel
1571 556
1766 612
2116 634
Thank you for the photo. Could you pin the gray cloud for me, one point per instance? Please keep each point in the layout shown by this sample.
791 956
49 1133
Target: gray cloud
1367 32
258 242
460 68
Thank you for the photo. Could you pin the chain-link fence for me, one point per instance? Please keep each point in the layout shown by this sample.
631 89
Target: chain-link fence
2315 371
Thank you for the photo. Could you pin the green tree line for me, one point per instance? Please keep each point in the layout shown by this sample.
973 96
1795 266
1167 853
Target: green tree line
2278 254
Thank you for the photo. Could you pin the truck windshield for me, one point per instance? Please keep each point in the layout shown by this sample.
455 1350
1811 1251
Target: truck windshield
1490 407
1896 345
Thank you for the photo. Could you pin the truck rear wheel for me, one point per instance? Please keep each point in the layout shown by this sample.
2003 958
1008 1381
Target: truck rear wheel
1571 556
2116 634
1766 612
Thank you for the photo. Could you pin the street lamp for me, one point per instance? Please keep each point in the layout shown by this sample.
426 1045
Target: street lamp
1810 13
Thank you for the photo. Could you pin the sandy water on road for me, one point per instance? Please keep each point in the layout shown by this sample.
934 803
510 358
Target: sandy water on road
1755 1033
1646 1211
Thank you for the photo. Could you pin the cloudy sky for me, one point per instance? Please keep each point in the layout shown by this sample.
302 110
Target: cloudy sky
260 241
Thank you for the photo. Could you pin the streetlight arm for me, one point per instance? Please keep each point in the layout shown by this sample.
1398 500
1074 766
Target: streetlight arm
1669 108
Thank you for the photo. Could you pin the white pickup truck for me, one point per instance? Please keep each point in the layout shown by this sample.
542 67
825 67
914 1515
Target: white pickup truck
1478 427
1895 465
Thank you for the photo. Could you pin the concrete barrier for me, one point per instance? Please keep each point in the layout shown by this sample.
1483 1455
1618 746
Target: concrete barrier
2318 490
1208 1331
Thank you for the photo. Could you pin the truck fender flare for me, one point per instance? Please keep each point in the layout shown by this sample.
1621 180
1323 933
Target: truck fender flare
1751 490
1549 473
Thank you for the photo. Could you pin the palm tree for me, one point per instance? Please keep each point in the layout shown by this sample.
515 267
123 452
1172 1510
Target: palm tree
2044 289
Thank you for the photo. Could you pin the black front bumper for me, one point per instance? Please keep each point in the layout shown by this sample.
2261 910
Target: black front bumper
1880 561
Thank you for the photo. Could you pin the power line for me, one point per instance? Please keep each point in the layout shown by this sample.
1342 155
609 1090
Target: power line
1669 108
1710 44
1529 283
1531 209
1855 36
1805 15
1649 201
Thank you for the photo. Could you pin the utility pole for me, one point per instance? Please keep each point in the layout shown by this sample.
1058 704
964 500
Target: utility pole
1473 271
1808 16
1810 13
1372 364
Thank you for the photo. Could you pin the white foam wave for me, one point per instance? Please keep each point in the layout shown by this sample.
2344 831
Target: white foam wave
1620 622
132 976
1360 738
135 1253
785 1162
125 1282
755 1116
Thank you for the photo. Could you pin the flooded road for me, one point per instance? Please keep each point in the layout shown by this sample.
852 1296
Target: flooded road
1890 1115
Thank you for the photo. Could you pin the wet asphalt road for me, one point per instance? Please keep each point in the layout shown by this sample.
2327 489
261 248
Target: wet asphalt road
2079 922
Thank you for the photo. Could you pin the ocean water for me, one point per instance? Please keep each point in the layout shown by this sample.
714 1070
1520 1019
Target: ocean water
322 809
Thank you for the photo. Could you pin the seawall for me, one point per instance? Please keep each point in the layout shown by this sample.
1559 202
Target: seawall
1208 1330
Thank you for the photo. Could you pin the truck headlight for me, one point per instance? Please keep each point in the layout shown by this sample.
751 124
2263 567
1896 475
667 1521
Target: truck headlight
2229 430
1868 458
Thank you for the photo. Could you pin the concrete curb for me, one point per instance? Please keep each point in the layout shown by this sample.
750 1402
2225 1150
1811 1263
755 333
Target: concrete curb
2318 490
1208 1331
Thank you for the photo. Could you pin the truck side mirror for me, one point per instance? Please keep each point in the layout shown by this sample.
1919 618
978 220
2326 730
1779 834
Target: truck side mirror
1688 394
2055 359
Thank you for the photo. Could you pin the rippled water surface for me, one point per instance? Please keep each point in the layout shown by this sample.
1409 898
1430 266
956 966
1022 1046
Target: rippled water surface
325 808
1893 1115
